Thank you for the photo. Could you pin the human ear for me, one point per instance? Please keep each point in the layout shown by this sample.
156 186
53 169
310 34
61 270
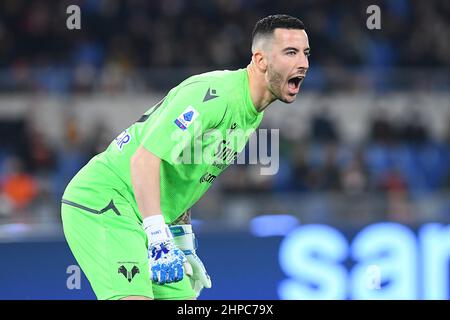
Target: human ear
260 61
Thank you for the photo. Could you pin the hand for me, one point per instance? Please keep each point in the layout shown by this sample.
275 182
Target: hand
199 278
166 262
184 239
165 259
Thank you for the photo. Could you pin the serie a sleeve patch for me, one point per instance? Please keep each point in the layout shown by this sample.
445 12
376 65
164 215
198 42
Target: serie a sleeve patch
186 118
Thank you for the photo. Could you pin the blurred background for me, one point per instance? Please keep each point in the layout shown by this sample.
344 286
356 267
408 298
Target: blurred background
360 206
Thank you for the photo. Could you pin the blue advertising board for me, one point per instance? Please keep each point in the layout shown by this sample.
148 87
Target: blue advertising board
313 261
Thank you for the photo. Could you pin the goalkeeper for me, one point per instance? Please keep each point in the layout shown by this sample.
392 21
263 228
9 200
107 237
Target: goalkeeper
126 214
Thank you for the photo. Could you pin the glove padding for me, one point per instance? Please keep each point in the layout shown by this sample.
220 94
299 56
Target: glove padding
185 240
167 262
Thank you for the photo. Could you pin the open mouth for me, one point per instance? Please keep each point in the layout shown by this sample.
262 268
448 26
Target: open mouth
294 83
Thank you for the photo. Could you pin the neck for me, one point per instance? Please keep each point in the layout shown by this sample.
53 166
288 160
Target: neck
260 94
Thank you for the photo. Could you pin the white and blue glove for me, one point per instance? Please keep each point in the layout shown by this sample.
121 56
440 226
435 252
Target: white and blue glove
167 262
185 240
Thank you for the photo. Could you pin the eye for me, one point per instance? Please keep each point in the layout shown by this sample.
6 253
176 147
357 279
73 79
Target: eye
307 53
291 53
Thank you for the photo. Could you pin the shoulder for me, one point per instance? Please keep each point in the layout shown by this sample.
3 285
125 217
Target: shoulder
208 94
214 86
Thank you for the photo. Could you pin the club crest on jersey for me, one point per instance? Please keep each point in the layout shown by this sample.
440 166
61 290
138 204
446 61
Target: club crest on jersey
185 119
122 139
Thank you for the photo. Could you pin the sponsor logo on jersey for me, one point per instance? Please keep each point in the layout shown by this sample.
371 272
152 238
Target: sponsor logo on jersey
224 155
122 139
208 178
186 118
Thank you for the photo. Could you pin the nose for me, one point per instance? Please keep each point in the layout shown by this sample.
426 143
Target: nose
303 63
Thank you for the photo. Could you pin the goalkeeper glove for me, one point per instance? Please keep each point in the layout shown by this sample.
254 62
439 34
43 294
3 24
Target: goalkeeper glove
165 259
185 239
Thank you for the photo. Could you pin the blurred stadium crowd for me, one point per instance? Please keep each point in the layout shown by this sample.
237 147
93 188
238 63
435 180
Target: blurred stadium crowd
120 41
399 162
140 46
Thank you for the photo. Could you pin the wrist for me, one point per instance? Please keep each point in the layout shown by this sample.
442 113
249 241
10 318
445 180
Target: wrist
156 229
183 237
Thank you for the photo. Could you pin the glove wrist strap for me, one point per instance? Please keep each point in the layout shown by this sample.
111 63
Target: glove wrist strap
156 229
183 237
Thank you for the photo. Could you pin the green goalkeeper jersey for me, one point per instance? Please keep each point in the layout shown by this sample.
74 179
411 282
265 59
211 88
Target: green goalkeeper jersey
197 130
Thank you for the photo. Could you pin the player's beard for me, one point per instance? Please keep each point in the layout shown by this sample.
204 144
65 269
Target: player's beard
275 84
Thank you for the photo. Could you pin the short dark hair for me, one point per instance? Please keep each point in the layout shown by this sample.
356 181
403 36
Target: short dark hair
268 24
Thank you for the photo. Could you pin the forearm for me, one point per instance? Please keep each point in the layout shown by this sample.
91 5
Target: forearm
145 178
166 261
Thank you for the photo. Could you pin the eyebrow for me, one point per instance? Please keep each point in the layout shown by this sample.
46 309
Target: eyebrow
308 49
290 48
